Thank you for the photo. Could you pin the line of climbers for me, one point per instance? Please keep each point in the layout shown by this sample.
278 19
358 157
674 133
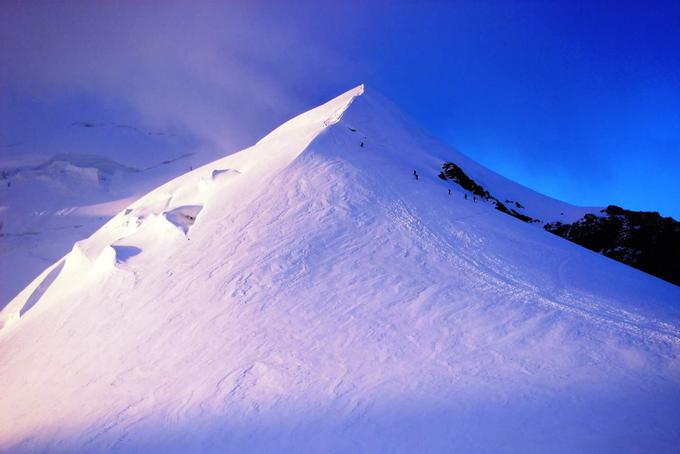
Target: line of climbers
417 177
474 198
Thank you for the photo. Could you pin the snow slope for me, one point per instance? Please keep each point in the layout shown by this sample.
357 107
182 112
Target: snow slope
48 202
308 294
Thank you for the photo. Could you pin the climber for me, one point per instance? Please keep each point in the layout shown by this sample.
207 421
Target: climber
474 199
362 145
466 196
449 191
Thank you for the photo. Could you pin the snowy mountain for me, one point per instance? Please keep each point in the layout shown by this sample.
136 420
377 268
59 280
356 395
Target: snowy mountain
311 294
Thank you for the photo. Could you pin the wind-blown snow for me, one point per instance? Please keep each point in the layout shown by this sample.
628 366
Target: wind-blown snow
48 203
308 294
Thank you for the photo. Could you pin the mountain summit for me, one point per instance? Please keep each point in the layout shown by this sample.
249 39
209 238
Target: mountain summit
325 290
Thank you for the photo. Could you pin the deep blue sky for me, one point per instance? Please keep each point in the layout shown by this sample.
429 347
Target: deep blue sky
578 101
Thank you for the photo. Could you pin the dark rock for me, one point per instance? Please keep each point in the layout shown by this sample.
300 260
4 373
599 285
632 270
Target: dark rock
451 171
517 204
641 239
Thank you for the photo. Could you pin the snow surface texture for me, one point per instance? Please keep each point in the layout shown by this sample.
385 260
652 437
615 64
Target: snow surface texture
309 295
48 203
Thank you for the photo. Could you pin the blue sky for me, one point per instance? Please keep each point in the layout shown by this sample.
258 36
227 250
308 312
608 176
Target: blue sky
578 101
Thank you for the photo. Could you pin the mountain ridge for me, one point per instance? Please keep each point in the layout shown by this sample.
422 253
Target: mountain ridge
308 293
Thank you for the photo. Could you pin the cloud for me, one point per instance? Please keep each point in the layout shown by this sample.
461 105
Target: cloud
224 72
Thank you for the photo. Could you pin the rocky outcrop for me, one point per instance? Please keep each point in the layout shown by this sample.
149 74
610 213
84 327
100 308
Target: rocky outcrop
452 172
644 240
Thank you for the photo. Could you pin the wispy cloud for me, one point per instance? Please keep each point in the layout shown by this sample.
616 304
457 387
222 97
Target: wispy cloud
224 72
